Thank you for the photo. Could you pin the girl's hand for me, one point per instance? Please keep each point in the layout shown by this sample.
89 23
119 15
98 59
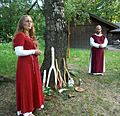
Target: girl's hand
38 52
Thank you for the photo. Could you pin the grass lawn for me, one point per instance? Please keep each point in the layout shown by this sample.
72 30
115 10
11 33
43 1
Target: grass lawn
101 98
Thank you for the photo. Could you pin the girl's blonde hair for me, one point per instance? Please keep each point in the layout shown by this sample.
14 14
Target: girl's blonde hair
20 28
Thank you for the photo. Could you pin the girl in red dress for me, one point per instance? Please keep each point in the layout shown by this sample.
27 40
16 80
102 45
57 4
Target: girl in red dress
29 94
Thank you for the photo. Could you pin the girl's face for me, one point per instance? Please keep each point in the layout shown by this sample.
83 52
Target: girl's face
27 23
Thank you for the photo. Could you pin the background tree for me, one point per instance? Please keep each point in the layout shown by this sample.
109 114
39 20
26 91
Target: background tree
11 11
53 20
55 34
77 11
107 9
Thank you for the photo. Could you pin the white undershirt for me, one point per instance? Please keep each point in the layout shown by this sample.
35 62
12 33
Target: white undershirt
21 52
93 44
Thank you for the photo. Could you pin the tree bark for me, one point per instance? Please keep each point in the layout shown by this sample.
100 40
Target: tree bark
55 35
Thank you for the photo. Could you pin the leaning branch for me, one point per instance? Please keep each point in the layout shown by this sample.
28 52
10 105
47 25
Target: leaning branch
39 7
31 7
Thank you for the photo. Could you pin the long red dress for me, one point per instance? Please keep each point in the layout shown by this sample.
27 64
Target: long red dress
29 93
97 61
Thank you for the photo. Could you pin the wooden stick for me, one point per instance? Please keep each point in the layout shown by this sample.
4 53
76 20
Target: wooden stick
44 78
59 77
52 68
66 71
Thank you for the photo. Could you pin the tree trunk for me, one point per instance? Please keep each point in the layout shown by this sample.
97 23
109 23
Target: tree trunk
55 35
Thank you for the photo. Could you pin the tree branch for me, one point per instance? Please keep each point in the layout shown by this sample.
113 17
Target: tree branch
39 7
31 7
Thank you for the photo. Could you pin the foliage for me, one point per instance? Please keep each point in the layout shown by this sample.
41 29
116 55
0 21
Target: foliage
76 9
8 59
11 11
108 9
47 91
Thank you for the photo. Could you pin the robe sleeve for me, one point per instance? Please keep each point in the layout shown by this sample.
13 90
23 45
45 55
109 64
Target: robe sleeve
93 44
105 43
21 52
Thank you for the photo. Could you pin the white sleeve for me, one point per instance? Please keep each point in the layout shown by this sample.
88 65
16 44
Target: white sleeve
93 44
105 43
21 52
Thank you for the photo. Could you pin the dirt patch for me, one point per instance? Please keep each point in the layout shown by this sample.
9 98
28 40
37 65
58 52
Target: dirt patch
101 98
6 79
7 99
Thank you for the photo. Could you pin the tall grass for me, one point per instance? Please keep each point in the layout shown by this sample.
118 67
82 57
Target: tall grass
78 57
8 59
101 97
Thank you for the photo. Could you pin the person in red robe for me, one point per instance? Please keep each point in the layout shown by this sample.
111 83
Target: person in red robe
29 94
97 59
